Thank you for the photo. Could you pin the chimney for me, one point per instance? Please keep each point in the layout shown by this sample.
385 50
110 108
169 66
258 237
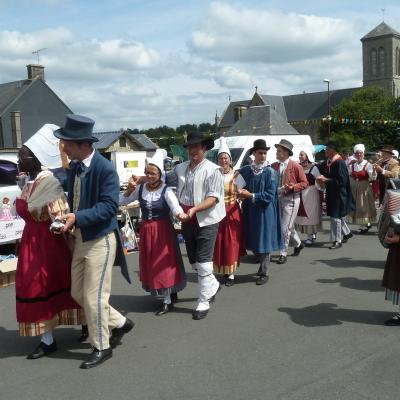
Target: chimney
35 71
16 128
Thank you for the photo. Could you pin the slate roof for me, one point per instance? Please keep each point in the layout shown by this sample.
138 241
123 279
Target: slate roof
106 139
10 91
382 29
261 120
145 142
228 118
309 106
276 102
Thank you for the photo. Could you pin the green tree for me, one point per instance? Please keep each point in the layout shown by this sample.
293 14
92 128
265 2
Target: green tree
365 113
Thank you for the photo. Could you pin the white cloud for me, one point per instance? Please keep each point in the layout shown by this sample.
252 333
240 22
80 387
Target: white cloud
235 33
68 57
231 77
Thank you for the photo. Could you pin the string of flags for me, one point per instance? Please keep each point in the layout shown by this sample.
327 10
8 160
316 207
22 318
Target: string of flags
347 121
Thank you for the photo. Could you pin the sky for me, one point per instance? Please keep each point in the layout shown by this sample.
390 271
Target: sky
142 64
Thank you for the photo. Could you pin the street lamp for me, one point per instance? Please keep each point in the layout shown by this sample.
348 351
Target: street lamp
327 81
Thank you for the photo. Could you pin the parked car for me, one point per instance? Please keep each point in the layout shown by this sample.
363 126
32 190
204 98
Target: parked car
8 173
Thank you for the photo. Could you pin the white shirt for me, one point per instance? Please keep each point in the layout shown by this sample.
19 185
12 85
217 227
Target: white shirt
88 160
150 196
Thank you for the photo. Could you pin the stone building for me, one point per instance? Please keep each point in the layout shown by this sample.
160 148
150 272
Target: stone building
26 105
305 111
122 141
381 59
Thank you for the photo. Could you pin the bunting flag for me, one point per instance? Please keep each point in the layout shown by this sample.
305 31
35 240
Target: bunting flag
349 121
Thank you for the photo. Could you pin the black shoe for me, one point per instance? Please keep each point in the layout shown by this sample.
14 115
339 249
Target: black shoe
174 297
347 237
84 335
394 321
336 245
165 308
42 350
96 358
298 249
117 333
229 282
197 315
262 280
212 299
282 260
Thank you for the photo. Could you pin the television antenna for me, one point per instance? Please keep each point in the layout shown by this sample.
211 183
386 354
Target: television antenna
37 52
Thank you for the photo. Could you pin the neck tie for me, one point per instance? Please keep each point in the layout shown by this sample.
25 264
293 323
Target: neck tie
81 168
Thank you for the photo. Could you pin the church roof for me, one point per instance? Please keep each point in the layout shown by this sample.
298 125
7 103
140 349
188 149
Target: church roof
382 29
259 121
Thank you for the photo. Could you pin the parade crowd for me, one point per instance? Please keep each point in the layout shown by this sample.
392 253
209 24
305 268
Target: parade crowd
70 244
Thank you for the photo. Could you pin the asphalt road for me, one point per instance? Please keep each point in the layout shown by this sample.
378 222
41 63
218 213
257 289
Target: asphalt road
315 331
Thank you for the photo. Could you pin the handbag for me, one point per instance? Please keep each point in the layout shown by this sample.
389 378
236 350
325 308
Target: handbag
128 236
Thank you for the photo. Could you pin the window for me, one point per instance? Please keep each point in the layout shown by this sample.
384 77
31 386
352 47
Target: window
373 63
381 57
122 141
397 66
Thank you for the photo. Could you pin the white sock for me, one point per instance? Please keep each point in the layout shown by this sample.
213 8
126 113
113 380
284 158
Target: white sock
47 338
231 276
121 322
202 306
167 299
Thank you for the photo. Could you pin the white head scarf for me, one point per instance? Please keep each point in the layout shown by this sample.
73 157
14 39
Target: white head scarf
45 146
309 154
359 147
158 160
223 147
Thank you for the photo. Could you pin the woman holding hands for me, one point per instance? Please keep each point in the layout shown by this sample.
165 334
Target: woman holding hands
160 261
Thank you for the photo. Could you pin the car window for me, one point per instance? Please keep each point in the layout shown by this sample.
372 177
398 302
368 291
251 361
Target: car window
8 172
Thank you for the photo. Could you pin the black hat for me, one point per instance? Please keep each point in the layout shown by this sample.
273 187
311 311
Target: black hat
197 138
77 129
333 146
286 145
259 144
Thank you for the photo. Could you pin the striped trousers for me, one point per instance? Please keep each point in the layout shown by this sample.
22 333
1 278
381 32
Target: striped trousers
91 273
289 205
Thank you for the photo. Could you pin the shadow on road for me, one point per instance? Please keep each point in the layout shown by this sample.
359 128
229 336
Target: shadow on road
371 285
145 304
13 345
326 314
347 262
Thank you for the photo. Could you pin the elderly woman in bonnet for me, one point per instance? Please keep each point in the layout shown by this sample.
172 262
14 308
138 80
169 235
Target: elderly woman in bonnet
43 279
229 245
308 218
361 174
161 267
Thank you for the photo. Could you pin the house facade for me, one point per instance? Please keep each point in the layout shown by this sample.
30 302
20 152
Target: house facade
26 105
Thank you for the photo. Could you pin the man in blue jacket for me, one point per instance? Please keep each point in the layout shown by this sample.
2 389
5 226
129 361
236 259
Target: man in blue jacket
93 192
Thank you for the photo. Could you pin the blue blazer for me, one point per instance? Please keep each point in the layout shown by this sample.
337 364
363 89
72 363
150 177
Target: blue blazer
96 215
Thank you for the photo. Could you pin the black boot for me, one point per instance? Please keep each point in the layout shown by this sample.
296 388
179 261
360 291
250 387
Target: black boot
84 334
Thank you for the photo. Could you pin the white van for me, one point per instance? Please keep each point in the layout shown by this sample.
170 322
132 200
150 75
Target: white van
240 146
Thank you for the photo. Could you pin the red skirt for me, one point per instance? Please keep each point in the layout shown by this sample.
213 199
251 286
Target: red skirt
160 259
43 276
229 246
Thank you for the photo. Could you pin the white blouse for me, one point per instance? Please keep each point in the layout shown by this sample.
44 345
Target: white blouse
150 196
360 166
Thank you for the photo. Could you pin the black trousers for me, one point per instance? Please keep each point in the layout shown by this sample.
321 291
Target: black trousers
200 241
